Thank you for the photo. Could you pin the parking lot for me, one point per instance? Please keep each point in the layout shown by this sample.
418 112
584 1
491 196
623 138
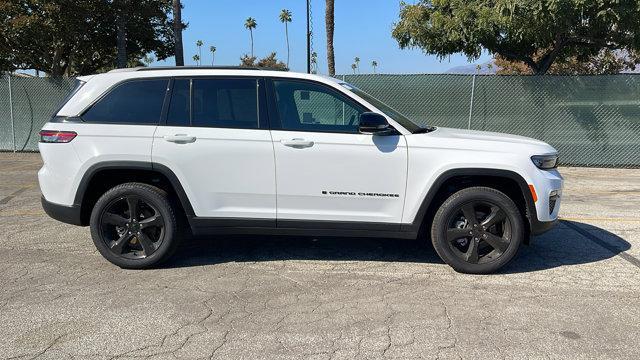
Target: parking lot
575 293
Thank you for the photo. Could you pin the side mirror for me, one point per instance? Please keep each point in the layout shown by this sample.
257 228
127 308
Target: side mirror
374 123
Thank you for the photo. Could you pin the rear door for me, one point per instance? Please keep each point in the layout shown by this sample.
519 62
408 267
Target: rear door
216 140
325 169
117 127
121 123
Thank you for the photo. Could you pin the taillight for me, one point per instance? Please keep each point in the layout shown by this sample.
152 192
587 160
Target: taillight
55 136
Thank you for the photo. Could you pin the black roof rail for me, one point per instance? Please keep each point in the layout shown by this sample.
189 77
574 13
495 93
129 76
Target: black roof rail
200 68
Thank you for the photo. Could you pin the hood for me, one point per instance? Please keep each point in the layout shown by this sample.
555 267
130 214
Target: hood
481 140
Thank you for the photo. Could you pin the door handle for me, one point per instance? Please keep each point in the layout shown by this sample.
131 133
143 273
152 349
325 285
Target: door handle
180 138
297 143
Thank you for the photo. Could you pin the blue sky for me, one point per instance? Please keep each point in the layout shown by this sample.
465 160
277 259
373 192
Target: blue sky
363 29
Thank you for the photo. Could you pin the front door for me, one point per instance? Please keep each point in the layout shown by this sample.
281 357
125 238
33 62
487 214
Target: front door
327 170
219 147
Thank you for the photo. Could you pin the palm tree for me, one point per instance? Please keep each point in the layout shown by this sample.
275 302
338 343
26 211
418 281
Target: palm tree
196 58
213 54
314 62
285 17
354 67
374 64
329 22
357 62
251 24
177 32
199 44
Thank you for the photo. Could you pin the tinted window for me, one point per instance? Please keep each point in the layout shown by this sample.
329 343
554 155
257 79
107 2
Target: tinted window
390 112
136 102
178 114
231 103
307 106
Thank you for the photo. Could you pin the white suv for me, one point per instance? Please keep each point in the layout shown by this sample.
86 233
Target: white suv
137 153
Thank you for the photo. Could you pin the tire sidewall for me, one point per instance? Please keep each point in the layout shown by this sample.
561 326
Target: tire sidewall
153 196
452 204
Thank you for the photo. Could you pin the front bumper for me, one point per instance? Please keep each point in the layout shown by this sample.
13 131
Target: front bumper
64 213
538 227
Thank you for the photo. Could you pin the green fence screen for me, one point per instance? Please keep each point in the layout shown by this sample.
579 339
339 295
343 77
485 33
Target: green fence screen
591 120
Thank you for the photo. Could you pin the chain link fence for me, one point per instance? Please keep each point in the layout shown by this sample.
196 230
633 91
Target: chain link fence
591 120
26 104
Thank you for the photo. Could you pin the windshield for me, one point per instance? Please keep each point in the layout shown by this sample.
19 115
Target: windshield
386 109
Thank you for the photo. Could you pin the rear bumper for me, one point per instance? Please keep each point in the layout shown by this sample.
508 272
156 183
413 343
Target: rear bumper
64 213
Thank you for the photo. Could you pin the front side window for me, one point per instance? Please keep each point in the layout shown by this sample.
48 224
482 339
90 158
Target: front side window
226 103
307 106
386 109
132 102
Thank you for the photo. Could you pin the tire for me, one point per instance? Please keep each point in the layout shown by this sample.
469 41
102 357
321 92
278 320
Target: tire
143 240
481 245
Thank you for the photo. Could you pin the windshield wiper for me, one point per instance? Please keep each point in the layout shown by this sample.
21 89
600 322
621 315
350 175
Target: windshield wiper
424 130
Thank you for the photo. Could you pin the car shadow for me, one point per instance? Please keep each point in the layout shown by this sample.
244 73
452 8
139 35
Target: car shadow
564 245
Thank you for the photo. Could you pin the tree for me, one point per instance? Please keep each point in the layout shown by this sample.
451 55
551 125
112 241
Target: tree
374 65
213 54
248 61
357 62
177 32
330 24
196 58
199 44
604 63
537 33
269 62
147 60
121 33
354 67
314 62
80 37
251 24
285 17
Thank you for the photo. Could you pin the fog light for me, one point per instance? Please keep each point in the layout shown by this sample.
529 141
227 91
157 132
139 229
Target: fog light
553 199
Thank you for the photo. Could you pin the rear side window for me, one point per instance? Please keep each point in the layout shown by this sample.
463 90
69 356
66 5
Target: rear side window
225 103
132 102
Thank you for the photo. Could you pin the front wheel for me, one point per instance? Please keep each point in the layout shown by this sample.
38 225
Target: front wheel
133 225
477 230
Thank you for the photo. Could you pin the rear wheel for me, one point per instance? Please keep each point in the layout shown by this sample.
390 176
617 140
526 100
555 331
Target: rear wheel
477 230
133 225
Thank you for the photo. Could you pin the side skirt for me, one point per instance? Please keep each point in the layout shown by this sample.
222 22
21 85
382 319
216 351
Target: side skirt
219 226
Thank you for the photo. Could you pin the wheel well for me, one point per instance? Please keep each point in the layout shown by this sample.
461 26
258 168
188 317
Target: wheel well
103 180
508 186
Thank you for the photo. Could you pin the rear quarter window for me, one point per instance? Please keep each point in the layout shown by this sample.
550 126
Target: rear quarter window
131 102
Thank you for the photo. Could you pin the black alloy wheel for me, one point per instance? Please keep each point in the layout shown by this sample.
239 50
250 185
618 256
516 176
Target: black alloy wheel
134 226
131 227
477 230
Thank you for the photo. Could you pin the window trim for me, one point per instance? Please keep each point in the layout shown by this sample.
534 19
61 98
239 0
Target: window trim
274 113
117 85
262 113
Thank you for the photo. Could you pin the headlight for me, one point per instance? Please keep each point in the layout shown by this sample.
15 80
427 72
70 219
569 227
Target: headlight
545 162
